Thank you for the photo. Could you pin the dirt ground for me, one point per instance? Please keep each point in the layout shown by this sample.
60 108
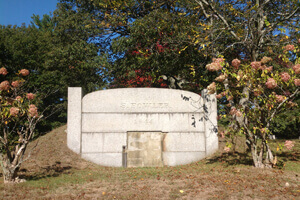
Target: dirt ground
55 172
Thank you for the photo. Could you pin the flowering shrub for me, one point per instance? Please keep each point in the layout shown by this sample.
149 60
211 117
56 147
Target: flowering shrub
252 94
271 83
289 144
3 71
4 85
296 68
289 47
19 116
297 82
24 72
30 96
236 63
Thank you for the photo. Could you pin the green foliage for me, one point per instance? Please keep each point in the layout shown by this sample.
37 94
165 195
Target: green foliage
287 124
59 55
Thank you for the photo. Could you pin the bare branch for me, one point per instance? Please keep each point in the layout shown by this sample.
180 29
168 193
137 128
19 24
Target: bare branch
280 105
221 17
202 8
284 19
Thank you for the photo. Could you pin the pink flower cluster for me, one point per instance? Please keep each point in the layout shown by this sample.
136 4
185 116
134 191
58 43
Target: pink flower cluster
271 83
285 77
30 96
4 85
265 60
289 144
3 71
256 65
18 98
289 47
24 72
279 98
32 111
211 88
297 82
235 63
14 111
216 65
218 60
15 84
221 78
296 68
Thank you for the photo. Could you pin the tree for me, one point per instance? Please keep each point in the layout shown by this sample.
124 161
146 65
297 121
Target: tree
154 35
178 38
251 113
251 29
57 55
19 117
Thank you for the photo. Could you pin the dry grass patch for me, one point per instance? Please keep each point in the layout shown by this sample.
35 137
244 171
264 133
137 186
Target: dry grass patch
55 172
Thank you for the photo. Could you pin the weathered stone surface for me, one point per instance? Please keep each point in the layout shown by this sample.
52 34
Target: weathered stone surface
184 142
183 123
140 100
116 122
182 158
104 159
103 142
74 119
144 149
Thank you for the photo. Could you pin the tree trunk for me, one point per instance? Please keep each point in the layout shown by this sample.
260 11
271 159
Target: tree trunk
9 170
257 157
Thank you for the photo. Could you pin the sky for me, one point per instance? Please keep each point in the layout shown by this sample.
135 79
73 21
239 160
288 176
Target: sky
16 12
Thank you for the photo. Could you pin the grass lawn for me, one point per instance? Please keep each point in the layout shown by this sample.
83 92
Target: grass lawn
54 172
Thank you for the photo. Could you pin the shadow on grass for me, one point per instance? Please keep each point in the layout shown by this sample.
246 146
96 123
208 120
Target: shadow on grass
54 170
232 158
289 156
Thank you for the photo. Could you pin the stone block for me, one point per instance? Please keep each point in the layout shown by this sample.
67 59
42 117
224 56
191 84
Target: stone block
182 158
74 119
104 159
184 142
103 142
141 100
123 122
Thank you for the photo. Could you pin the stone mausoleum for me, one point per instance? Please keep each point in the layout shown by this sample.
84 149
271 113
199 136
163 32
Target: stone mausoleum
142 127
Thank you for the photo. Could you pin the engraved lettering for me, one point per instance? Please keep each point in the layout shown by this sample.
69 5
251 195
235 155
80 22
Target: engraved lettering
123 105
144 105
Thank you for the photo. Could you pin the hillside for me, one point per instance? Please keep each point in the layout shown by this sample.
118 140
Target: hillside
55 172
51 154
